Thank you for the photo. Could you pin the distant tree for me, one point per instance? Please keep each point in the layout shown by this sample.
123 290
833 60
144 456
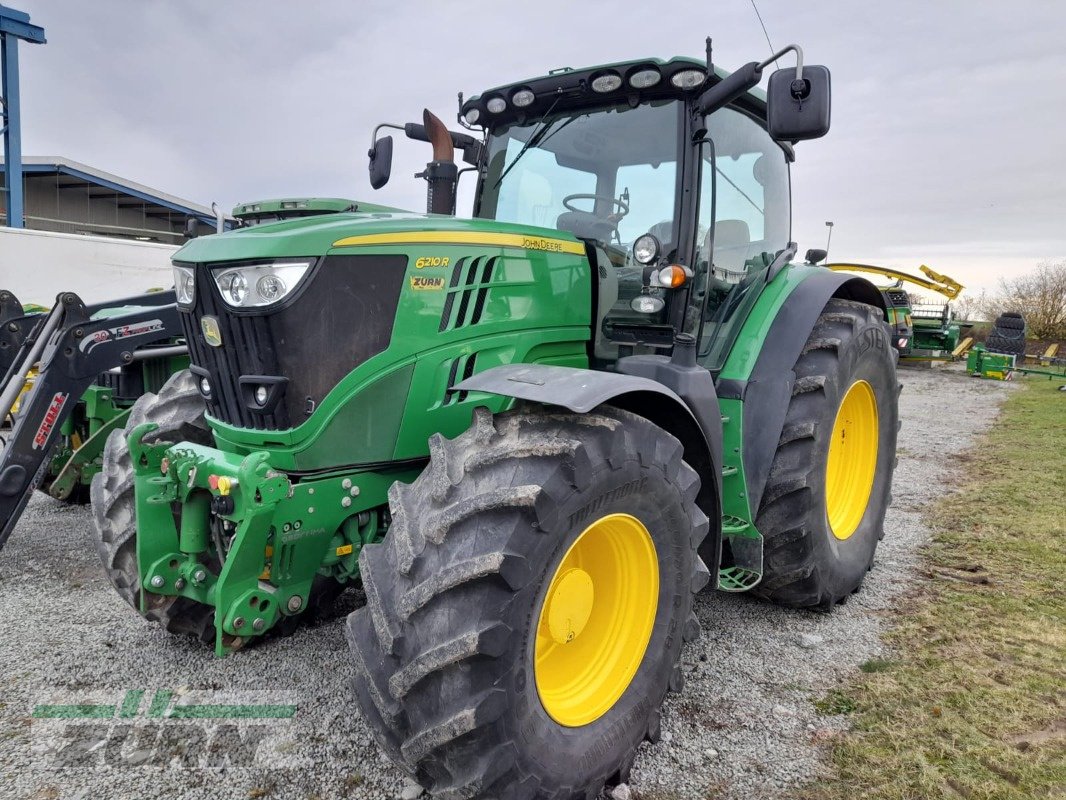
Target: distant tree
970 305
1039 296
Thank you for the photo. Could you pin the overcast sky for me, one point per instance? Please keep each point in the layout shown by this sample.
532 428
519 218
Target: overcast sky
947 143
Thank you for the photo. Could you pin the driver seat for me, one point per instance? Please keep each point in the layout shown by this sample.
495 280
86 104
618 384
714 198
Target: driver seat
732 240
585 225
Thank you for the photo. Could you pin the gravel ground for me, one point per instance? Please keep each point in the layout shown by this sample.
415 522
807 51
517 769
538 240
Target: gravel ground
743 727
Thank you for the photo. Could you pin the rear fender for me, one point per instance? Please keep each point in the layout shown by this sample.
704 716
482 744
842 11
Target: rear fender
768 388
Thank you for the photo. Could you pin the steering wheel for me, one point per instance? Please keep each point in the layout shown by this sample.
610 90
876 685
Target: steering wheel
623 207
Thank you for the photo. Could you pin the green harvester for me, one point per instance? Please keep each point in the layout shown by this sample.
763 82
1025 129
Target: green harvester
531 435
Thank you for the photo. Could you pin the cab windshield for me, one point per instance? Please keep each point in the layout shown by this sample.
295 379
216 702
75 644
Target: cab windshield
605 174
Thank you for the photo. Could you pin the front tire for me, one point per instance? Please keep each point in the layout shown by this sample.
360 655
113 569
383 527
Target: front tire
523 538
823 510
178 410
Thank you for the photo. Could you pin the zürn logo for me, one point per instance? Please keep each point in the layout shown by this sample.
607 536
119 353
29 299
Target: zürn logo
421 283
170 727
49 421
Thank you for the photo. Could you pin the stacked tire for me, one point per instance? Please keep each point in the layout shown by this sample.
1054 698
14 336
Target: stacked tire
1008 334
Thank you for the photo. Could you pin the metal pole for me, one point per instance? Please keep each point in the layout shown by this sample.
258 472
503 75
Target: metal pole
828 239
9 62
14 25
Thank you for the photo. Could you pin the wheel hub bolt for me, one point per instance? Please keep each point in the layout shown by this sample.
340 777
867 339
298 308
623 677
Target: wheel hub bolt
258 624
346 501
158 581
179 584
295 602
238 622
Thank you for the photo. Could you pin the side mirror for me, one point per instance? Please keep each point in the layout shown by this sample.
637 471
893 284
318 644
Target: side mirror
192 227
798 108
381 162
814 256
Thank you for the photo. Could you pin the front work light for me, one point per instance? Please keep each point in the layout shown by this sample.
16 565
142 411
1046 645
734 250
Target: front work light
646 249
642 79
688 78
523 98
472 116
184 284
647 304
607 82
258 285
496 105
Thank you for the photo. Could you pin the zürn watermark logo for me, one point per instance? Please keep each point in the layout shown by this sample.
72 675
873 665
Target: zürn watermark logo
187 729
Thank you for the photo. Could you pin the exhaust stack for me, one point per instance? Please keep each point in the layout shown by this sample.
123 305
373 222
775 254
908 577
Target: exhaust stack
441 173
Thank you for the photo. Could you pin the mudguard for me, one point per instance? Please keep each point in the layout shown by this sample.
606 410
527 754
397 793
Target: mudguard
581 390
768 387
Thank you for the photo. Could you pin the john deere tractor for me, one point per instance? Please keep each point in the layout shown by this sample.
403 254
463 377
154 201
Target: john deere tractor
531 435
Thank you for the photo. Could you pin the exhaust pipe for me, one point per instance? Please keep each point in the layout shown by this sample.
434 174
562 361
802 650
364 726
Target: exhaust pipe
441 173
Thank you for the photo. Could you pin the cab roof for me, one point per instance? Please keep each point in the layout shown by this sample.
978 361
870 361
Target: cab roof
567 88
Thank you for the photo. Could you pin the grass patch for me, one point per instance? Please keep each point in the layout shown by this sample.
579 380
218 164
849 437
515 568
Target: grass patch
974 705
836 701
877 665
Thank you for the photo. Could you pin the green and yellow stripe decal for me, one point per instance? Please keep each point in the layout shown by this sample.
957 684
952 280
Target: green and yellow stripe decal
518 240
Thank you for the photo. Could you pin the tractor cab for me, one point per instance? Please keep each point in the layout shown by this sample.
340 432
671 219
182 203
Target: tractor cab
674 175
683 212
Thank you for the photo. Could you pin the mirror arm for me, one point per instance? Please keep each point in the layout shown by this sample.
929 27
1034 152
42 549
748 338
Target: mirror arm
730 88
374 135
471 147
795 48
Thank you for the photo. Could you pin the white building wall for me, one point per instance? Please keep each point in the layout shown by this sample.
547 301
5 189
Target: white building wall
37 265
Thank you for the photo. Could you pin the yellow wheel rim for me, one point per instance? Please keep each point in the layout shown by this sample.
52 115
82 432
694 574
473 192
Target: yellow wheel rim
852 463
596 620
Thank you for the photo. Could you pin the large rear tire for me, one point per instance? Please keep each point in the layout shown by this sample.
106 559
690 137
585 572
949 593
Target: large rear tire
823 510
529 539
178 410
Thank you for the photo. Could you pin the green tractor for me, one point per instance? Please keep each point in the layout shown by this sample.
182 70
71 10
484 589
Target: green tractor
532 435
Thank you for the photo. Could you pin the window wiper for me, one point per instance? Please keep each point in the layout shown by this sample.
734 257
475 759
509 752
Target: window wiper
741 191
532 141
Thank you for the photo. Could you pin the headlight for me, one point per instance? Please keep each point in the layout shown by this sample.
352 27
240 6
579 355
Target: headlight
185 284
259 284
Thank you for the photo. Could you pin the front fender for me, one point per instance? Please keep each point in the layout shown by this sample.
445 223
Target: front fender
582 390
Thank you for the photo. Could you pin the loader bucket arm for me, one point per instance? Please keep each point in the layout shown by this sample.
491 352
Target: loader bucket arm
72 349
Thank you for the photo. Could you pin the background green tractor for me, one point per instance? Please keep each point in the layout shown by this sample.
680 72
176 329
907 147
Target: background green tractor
532 435
71 376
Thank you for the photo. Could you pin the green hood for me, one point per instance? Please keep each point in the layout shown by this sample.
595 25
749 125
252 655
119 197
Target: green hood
315 236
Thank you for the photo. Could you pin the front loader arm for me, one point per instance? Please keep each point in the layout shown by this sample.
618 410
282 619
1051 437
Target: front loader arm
72 350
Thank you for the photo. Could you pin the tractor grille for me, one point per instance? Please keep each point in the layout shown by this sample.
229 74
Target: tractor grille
467 292
342 316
